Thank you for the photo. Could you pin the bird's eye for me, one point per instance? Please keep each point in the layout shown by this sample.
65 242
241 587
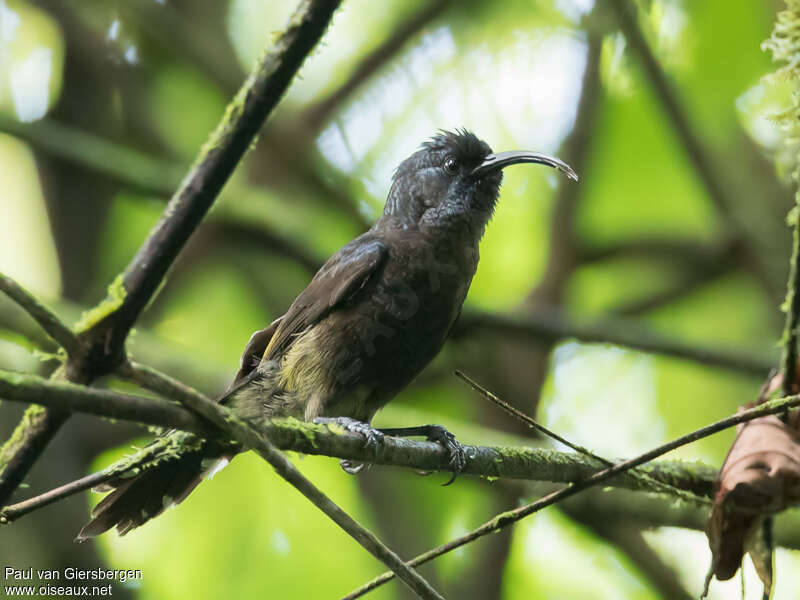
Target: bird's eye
450 165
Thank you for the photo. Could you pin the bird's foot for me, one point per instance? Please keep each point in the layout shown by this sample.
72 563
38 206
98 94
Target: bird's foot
372 439
352 467
456 454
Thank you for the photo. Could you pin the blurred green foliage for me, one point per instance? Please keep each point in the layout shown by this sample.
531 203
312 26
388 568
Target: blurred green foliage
512 72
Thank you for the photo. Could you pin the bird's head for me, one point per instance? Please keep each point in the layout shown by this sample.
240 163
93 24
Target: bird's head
454 180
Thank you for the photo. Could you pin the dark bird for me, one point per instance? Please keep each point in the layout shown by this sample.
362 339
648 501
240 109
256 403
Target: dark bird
371 319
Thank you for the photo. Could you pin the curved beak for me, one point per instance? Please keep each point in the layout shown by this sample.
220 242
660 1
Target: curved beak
495 162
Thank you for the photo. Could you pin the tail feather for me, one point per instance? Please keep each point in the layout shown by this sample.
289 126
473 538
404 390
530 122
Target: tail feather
136 500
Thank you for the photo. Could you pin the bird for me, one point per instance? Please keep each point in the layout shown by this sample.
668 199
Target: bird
373 316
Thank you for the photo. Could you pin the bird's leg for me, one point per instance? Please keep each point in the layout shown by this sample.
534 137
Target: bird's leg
456 455
372 437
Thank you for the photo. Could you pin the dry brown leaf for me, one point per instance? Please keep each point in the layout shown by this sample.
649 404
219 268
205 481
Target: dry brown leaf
760 477
761 473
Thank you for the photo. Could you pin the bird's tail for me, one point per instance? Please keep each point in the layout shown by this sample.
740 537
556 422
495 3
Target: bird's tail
175 465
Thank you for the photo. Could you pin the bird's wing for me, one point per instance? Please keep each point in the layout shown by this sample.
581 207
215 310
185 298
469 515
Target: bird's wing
254 350
335 284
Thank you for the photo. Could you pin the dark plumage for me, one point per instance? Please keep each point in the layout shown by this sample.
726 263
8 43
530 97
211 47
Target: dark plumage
369 321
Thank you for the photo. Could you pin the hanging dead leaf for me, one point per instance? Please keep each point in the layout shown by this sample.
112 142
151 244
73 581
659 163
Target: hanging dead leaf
760 477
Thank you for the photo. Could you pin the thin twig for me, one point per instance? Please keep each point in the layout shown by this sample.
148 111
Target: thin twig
46 318
107 326
13 512
654 484
317 114
228 422
508 518
530 422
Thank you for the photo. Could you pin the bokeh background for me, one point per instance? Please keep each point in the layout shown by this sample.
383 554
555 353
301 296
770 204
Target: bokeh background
677 227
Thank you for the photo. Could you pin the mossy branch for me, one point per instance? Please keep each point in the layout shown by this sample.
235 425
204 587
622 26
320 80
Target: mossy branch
784 47
290 434
28 388
105 328
216 161
508 518
47 319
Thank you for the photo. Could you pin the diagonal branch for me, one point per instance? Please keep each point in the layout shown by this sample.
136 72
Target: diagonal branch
105 330
46 318
218 158
529 421
518 414
508 518
316 115
125 406
229 423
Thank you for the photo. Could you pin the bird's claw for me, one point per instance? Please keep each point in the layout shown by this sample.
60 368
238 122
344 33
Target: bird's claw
372 439
352 468
457 456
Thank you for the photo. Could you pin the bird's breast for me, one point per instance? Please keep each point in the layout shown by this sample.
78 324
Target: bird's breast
390 330
414 303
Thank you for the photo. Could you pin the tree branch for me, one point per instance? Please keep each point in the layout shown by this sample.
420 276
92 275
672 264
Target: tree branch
216 161
180 35
17 387
550 323
229 423
652 511
290 434
654 485
529 421
165 413
508 518
790 332
20 509
686 250
131 167
699 263
105 330
688 283
316 115
46 318
675 111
